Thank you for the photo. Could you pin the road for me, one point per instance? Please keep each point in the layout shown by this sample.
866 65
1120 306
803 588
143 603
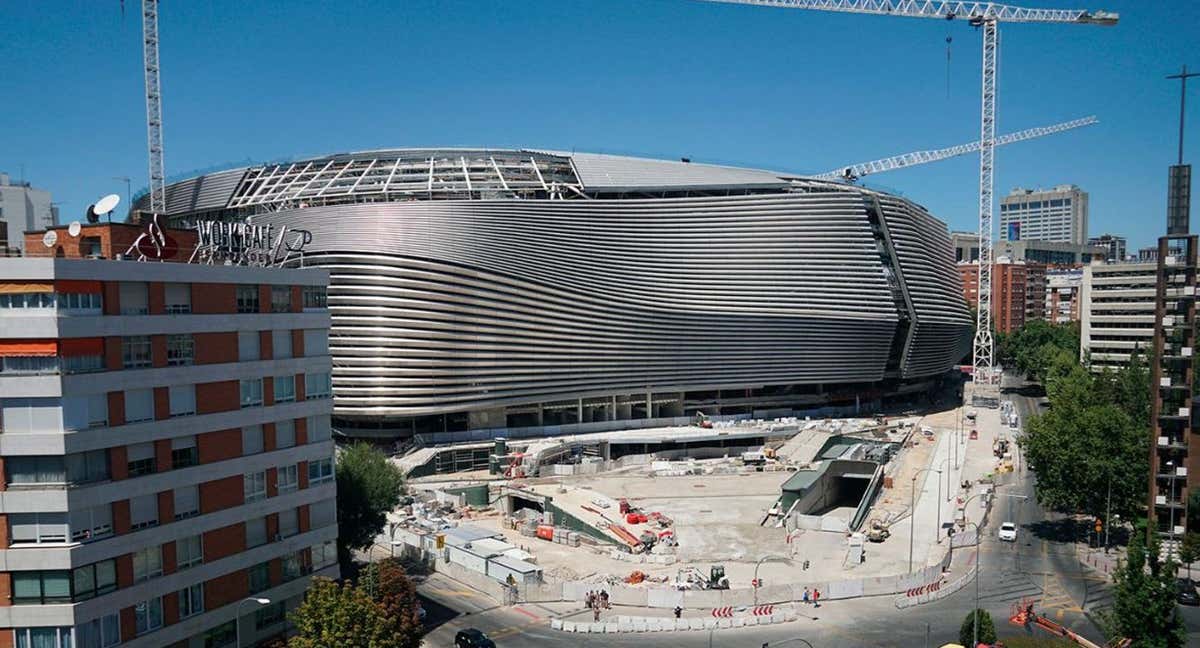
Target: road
1041 567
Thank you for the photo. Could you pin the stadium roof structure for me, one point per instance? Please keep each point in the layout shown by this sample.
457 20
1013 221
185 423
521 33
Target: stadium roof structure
456 174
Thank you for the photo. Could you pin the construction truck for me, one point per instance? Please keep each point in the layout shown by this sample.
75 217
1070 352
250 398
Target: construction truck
702 420
692 578
878 531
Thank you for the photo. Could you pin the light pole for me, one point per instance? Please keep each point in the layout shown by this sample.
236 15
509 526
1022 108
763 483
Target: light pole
237 618
392 526
978 568
912 507
758 564
767 644
1171 467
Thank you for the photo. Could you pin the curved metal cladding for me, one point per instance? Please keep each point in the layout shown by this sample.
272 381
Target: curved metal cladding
446 306
941 330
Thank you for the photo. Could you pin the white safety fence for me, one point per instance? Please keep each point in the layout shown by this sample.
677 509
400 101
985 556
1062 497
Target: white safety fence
622 624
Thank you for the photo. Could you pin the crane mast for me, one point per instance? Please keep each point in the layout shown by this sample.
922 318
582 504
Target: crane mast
158 199
915 158
987 15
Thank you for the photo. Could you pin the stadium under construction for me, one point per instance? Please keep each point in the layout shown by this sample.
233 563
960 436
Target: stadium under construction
479 290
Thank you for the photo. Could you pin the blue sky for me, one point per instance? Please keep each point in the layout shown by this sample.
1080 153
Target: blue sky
800 91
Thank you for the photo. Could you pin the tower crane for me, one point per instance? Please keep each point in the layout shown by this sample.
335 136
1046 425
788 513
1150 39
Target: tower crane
856 171
158 198
987 15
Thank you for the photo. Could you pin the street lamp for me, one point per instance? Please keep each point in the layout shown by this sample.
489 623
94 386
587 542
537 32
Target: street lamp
237 617
758 564
978 568
912 507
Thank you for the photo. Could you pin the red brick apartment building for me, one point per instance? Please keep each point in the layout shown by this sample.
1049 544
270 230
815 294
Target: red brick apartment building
165 451
1010 292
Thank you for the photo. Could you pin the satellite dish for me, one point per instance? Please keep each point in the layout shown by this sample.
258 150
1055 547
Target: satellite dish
92 216
107 204
74 228
50 238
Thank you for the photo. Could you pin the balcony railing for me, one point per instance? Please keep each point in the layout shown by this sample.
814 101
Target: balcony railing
49 365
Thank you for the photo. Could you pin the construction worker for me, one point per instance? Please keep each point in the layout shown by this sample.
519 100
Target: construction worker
678 611
816 597
806 596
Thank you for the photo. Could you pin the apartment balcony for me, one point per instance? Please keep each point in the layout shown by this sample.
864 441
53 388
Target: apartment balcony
1164 501
1170 472
1173 442
49 365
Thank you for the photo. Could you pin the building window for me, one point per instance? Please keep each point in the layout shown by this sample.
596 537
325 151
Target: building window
317 385
287 478
27 300
187 501
78 412
256 532
320 471
248 346
26 470
315 298
316 342
147 563
87 467
183 400
319 428
260 578
323 555
289 523
285 389
281 299
293 566
254 486
99 633
94 580
38 528
135 352
252 440
41 587
252 392
133 298
247 299
141 459
191 600
221 636
148 615
281 344
91 524
181 349
76 364
143 512
178 298
285 434
189 551
183 452
139 405
43 637
269 615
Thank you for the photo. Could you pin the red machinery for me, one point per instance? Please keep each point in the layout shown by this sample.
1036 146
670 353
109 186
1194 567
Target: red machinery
1024 616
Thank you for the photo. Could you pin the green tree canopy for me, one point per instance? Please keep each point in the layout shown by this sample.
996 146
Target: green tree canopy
335 615
1030 347
1144 607
368 487
987 629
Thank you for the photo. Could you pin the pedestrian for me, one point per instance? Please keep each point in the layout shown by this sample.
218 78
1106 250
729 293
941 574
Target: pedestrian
806 596
816 597
678 611
596 614
590 599
604 599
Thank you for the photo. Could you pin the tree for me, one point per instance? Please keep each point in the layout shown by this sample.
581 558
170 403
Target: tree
389 587
341 615
1189 550
987 629
368 487
1144 607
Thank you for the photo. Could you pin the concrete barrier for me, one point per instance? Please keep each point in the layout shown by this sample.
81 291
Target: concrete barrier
664 598
626 595
843 590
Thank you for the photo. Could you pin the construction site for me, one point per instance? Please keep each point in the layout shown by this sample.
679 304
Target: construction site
706 506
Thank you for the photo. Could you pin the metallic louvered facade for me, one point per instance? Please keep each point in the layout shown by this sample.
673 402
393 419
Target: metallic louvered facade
531 288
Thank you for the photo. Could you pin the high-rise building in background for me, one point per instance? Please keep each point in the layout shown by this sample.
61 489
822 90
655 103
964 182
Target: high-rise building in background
166 447
1058 215
1150 254
22 209
1116 313
1113 243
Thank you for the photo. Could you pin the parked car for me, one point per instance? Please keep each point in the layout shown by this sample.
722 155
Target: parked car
1008 532
1187 592
473 638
